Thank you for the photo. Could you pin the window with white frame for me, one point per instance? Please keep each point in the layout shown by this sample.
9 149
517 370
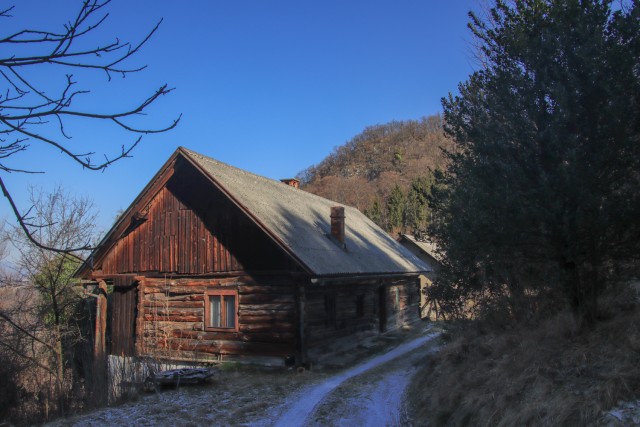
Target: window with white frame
221 310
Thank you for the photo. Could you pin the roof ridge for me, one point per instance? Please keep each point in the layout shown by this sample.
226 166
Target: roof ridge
266 179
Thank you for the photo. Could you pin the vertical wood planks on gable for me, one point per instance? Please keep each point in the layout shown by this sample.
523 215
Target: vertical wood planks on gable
163 236
193 241
204 257
173 238
152 236
180 236
135 236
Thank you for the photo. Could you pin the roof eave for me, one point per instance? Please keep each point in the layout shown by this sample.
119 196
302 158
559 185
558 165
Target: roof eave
336 278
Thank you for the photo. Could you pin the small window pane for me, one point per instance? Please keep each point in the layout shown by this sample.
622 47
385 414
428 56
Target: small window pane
230 308
214 310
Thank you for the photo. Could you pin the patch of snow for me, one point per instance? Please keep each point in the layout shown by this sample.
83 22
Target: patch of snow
305 404
625 414
380 408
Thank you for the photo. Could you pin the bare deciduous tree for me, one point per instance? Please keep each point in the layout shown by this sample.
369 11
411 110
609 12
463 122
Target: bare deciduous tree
44 334
34 110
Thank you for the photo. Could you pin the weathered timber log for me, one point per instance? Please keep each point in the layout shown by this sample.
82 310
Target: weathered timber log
253 289
166 326
252 311
157 296
172 311
268 337
266 298
279 337
267 318
190 281
150 305
231 347
255 308
176 290
203 335
267 327
152 318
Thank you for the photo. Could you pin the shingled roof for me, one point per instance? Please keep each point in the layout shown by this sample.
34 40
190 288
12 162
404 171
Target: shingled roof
301 221
298 221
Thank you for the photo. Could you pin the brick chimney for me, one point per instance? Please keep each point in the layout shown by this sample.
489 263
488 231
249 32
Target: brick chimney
291 182
337 223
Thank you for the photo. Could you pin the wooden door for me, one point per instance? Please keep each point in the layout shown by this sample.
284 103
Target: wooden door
123 320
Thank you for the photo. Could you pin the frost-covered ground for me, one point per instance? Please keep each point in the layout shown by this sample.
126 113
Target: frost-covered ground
374 400
625 414
369 393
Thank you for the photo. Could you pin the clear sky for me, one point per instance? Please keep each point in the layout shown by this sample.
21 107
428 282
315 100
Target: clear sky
268 86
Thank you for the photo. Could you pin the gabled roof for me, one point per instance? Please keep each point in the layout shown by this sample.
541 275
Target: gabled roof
296 220
301 221
425 246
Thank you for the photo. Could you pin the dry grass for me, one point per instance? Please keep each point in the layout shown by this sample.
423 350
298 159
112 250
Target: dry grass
236 395
551 372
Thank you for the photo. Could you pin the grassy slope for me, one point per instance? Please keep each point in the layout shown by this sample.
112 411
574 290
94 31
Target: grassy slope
550 372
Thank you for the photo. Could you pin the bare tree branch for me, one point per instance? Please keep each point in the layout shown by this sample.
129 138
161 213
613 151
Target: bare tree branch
36 111
24 226
22 330
24 356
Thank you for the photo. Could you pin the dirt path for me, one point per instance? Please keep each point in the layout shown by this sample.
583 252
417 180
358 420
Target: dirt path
369 394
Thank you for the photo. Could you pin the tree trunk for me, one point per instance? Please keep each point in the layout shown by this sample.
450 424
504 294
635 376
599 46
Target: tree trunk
59 369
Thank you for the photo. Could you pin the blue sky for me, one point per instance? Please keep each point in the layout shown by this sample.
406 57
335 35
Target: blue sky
268 86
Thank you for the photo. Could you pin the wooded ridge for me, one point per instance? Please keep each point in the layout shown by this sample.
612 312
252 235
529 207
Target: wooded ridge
385 171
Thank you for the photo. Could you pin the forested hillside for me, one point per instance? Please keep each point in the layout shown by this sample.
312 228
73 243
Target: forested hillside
385 171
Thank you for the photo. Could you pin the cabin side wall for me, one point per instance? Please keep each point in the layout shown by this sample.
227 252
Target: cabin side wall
172 319
402 301
337 316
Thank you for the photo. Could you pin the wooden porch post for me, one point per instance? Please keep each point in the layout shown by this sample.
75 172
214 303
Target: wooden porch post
99 347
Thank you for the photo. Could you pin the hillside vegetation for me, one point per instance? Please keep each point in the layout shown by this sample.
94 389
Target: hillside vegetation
546 371
385 171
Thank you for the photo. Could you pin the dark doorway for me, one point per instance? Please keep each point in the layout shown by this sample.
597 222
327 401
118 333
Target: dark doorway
382 308
123 312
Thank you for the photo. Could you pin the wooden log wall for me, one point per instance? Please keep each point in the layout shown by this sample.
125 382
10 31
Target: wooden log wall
402 307
173 319
402 303
320 329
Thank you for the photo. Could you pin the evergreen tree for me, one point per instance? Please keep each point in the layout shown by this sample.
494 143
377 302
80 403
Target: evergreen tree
395 209
374 213
542 191
417 210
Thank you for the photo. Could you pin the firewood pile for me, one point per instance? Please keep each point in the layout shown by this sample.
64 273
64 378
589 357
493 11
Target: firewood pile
181 376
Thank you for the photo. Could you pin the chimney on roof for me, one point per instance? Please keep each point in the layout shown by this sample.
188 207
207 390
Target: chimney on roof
337 223
292 182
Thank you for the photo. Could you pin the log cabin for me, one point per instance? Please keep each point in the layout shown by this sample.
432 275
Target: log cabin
211 262
427 251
